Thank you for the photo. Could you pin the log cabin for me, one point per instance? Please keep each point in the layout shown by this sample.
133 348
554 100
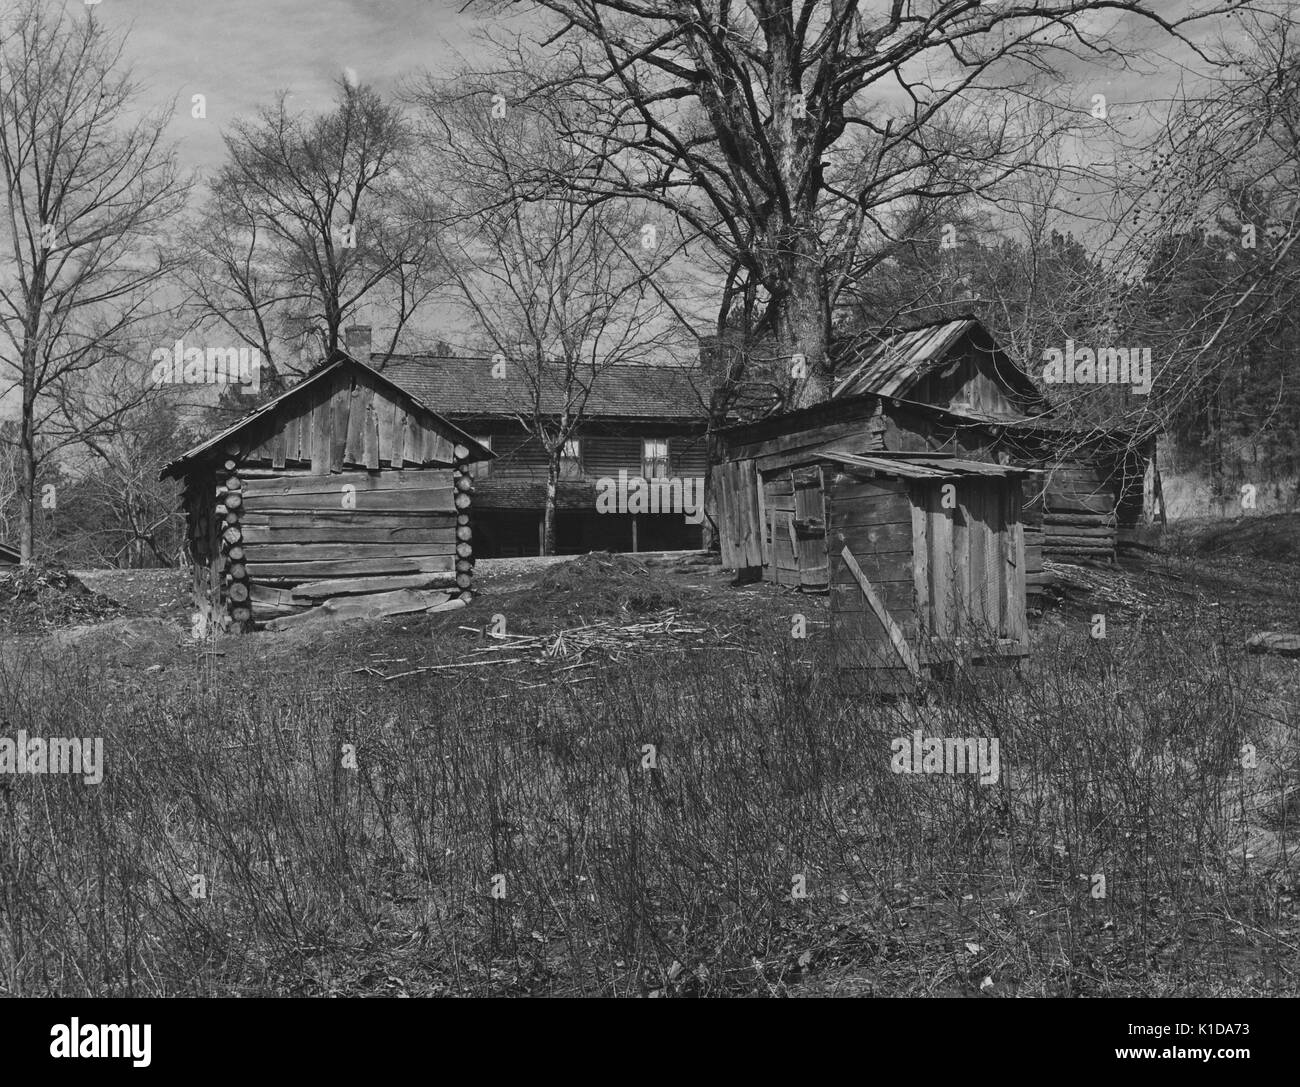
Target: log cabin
944 388
346 494
642 421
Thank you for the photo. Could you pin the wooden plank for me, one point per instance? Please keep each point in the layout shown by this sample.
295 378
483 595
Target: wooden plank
265 594
896 637
374 606
326 519
319 590
810 529
363 482
739 525
387 420
941 563
399 436
897 596
308 552
785 566
354 534
801 439
877 537
411 439
340 408
764 541
726 520
849 488
441 450
1017 625
356 423
973 495
321 569
278 440
370 434
920 560
415 500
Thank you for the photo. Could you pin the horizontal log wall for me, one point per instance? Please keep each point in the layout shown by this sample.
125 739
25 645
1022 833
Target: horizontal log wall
355 531
1079 519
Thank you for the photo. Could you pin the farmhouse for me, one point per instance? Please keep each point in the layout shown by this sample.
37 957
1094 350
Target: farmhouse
941 388
346 493
639 421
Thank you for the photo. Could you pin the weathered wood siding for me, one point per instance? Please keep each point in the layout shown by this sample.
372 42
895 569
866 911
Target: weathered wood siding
950 579
347 490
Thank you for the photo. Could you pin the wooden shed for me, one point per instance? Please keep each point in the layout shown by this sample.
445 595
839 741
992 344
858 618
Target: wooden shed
944 389
345 492
924 556
9 556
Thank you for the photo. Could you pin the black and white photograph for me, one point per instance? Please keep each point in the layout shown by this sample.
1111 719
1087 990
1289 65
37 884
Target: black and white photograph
649 499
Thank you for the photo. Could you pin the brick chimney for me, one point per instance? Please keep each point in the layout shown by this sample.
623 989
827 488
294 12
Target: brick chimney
356 342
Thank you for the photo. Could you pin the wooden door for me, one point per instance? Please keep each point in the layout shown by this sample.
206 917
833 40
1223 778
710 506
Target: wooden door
810 529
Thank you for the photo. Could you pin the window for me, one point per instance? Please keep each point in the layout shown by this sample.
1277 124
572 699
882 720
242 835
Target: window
654 458
481 468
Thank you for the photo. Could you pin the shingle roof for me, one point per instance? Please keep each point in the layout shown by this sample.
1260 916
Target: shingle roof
460 386
893 365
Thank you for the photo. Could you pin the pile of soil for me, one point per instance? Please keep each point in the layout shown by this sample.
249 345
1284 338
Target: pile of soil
606 584
45 596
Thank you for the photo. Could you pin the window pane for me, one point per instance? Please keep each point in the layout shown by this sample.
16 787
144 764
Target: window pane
654 458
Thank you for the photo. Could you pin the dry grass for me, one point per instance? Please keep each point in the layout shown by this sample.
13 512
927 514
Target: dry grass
1119 757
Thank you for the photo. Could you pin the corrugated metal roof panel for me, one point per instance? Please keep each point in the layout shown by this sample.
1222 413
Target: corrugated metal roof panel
893 365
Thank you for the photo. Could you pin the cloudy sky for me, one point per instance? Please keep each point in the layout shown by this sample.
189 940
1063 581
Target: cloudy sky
240 53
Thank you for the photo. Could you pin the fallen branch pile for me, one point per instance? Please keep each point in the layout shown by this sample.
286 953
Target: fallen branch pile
587 645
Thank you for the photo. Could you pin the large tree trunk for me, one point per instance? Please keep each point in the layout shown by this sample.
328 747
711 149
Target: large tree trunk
802 317
27 461
27 488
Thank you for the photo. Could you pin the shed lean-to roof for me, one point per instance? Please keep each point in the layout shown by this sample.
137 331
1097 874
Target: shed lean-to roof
463 386
924 467
177 468
893 365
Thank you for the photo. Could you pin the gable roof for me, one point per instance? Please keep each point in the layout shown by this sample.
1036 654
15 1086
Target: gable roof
465 386
893 366
178 467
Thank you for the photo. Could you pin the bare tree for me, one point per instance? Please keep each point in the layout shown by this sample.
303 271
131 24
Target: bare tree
562 289
89 188
305 225
788 132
